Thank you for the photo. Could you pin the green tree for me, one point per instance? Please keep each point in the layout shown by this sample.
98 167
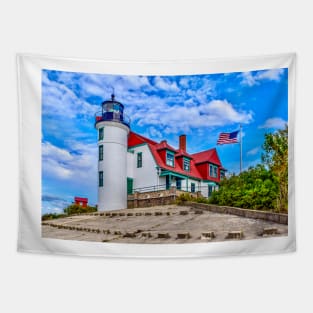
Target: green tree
275 157
255 188
78 209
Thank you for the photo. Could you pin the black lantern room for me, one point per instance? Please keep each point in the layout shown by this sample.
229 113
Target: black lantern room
113 111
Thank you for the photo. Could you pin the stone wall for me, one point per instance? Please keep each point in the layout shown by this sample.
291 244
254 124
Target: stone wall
154 198
268 216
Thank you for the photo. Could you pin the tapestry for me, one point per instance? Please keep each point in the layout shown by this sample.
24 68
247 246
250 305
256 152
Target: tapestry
185 158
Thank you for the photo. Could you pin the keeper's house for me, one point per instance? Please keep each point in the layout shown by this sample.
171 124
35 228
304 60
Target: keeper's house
129 162
150 163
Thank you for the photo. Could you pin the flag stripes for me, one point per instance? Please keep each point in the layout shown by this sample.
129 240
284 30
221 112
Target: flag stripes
227 138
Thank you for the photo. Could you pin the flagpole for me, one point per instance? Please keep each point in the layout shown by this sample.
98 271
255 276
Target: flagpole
240 148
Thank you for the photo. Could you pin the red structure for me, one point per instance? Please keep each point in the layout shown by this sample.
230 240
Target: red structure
81 201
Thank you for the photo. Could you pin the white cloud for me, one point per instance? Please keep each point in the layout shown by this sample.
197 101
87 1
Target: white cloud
248 79
274 74
79 163
251 79
177 118
274 122
164 84
253 151
48 149
154 133
60 100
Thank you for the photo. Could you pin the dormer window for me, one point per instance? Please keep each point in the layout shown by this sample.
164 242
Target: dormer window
213 170
222 174
170 158
186 165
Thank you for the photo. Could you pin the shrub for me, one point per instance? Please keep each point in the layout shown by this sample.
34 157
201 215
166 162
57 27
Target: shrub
78 209
187 197
51 216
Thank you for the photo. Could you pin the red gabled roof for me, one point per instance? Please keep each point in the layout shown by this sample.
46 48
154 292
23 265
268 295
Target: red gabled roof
164 145
177 168
210 155
136 139
207 156
181 153
80 199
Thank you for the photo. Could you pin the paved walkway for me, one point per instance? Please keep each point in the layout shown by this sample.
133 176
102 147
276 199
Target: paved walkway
138 226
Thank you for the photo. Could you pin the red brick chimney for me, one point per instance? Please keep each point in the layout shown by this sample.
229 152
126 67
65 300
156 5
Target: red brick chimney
182 143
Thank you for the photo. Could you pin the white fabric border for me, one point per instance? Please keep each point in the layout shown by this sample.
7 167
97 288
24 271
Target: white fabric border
29 94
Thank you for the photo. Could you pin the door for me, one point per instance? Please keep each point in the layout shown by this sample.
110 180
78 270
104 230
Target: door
210 189
167 177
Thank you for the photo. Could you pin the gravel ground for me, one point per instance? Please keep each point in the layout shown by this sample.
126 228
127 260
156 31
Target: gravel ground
166 221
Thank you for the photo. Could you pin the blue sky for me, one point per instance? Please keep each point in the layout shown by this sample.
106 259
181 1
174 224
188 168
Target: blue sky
160 107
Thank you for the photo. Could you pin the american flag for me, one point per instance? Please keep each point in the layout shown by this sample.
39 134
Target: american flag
225 138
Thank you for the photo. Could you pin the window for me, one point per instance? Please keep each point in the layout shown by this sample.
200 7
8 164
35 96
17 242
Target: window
178 184
213 170
139 159
193 187
101 153
170 158
101 179
100 133
222 174
186 164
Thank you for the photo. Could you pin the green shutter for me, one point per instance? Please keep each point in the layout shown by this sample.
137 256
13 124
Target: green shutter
129 185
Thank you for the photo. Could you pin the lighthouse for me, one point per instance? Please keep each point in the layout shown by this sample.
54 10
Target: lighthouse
113 127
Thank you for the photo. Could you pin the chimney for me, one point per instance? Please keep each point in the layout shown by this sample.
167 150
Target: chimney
182 143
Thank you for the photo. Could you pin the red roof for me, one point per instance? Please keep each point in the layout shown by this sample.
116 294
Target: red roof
136 139
80 199
210 156
207 156
177 168
164 145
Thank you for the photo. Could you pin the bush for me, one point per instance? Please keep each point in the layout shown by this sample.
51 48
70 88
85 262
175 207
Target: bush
255 189
78 209
52 216
188 197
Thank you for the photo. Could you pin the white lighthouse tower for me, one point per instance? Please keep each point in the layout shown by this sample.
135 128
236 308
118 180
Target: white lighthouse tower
113 127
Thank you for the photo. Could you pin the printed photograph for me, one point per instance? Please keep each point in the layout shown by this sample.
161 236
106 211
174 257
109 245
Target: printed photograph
164 159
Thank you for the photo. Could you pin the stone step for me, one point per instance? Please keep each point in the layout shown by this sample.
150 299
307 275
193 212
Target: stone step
185 235
270 231
208 235
238 234
164 235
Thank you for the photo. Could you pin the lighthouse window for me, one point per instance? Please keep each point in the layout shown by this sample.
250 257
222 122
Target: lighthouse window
100 179
139 159
100 133
116 108
101 153
170 158
186 164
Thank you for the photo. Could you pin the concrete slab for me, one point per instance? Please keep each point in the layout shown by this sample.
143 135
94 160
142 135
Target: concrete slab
147 223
